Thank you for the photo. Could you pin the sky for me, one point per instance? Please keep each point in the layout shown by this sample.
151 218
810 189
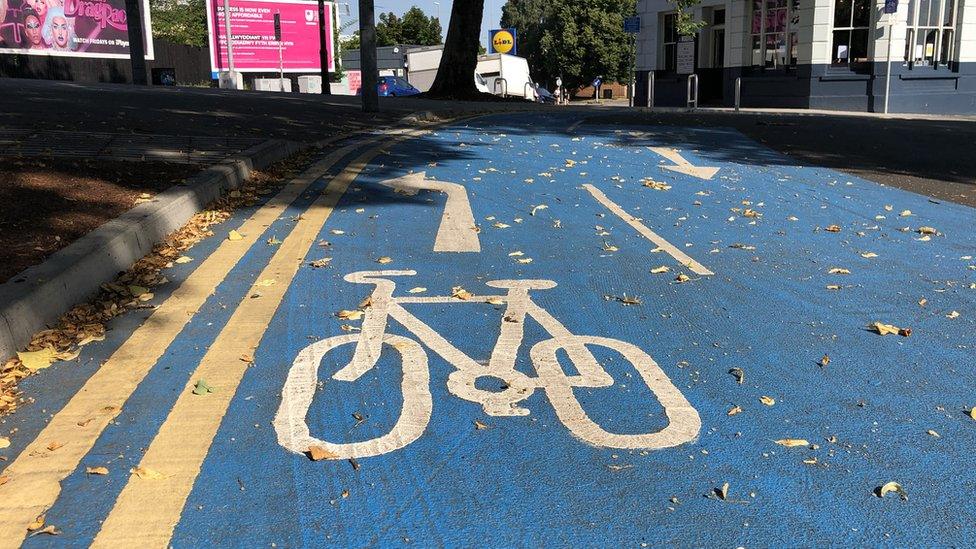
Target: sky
493 11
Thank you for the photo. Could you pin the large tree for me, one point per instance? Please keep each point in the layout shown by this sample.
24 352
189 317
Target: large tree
415 27
455 75
180 21
575 39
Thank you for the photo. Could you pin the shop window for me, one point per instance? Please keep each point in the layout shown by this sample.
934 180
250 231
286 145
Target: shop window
850 41
670 42
774 39
931 32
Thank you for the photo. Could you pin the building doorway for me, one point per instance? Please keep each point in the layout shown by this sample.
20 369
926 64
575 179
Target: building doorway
712 59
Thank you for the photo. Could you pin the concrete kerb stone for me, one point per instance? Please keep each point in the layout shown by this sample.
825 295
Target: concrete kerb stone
35 298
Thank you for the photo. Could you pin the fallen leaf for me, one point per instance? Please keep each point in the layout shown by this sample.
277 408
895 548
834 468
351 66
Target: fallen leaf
417 290
50 530
54 446
96 470
905 213
833 287
656 185
183 259
884 329
37 360
461 293
972 413
4 442
889 487
768 401
524 260
833 229
234 235
607 247
734 410
839 271
793 442
538 208
201 388
273 241
495 301
37 524
739 374
266 282
337 231
661 269
147 473
869 255
384 260
927 230
751 213
500 225
933 433
4 479
723 492
480 425
953 314
347 314
682 277
318 453
248 358
320 263
824 361
517 253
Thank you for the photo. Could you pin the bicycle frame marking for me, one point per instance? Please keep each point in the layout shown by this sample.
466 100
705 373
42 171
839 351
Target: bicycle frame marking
299 389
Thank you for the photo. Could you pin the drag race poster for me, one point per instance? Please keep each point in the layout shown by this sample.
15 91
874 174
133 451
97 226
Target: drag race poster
72 28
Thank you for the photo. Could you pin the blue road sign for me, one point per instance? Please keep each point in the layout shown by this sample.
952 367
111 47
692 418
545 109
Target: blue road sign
632 25
521 330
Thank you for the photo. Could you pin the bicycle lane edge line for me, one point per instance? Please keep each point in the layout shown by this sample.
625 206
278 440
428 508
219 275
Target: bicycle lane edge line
36 474
151 508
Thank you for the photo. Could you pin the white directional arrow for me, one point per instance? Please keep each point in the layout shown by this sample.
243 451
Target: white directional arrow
683 166
457 232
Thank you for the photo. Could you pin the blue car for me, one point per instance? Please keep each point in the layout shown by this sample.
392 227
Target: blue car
393 86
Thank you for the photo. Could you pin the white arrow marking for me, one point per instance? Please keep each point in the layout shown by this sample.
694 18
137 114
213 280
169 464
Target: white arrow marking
683 166
457 232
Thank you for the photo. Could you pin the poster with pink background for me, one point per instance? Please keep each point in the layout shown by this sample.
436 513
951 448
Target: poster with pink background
254 45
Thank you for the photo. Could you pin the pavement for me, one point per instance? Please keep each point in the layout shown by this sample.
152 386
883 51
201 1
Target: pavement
525 329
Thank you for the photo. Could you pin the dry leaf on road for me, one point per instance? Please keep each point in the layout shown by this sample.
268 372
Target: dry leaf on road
96 470
768 401
793 442
318 453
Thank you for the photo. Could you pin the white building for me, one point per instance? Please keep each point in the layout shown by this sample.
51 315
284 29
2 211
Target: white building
828 54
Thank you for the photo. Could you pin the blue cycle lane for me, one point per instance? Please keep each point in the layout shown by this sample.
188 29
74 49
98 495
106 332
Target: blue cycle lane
803 261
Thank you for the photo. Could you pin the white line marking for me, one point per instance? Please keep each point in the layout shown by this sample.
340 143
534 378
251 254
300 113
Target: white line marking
457 232
671 249
681 165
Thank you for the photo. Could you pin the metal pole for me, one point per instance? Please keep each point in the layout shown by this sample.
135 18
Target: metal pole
281 68
888 71
367 55
650 89
738 93
633 67
230 38
692 99
137 50
324 51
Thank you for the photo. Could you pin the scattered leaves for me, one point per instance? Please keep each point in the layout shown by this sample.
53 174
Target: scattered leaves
461 293
347 314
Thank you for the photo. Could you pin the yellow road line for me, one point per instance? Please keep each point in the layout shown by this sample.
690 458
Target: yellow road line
668 247
36 474
147 510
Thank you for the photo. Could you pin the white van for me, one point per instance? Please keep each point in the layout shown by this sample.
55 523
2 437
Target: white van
506 75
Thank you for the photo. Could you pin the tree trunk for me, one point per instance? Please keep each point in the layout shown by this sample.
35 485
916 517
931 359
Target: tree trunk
455 76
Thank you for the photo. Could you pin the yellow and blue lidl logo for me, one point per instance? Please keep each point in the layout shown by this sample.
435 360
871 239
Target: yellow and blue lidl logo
503 41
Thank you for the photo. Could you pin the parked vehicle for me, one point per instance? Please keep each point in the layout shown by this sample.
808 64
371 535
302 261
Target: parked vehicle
393 86
507 75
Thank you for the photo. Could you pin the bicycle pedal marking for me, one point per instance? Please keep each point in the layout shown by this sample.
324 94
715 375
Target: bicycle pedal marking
298 392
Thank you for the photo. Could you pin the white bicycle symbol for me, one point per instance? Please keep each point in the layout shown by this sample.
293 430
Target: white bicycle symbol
300 386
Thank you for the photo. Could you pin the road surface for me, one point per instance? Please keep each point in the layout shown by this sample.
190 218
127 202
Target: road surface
530 329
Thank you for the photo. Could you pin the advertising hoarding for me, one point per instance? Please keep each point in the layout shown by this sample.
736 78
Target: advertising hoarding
253 27
69 28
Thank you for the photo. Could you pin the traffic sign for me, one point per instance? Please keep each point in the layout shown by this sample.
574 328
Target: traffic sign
632 25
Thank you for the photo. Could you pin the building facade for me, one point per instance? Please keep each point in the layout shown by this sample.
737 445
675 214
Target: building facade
821 54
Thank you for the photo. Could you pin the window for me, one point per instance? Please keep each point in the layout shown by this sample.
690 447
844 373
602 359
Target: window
670 42
851 21
774 39
931 32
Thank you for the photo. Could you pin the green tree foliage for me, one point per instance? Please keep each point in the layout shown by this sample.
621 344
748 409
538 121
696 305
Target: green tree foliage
415 27
575 39
180 21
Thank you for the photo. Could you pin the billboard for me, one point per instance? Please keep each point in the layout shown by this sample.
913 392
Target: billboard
69 28
253 29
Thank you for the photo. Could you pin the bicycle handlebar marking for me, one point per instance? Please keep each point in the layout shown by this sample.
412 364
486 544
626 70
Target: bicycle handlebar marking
300 386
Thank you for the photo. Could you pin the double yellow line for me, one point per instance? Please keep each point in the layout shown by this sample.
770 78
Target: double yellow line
147 510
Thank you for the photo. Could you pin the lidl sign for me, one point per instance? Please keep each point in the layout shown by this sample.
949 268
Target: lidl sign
504 41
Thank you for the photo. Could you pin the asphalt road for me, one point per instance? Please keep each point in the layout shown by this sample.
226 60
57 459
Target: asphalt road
933 157
575 333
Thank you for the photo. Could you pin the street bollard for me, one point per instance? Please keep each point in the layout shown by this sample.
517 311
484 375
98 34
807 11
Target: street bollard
692 98
650 89
738 93
504 87
530 92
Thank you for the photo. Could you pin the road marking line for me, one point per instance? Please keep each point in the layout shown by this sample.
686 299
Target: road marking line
681 165
666 246
457 231
148 510
36 474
